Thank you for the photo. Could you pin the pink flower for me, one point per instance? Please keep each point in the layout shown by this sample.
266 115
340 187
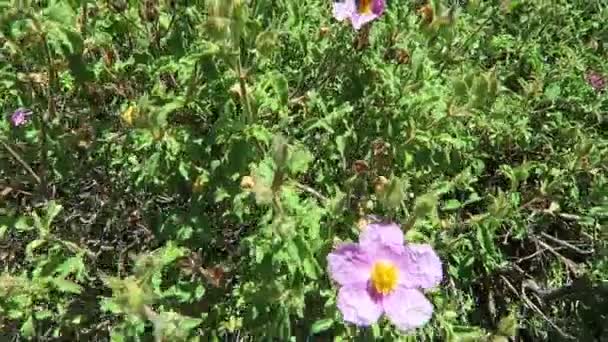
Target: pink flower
20 117
359 12
595 80
381 274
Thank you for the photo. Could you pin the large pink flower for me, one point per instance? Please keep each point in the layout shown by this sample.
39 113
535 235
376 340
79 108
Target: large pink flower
359 12
381 274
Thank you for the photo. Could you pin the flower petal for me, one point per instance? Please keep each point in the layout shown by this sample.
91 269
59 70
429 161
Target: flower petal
349 265
344 10
384 233
422 268
358 20
357 305
407 309
378 7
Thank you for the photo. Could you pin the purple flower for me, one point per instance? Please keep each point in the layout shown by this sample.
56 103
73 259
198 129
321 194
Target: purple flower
597 81
381 274
359 12
20 117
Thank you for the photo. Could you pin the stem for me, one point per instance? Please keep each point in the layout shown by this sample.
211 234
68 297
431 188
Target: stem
277 182
23 163
83 27
311 191
244 95
48 115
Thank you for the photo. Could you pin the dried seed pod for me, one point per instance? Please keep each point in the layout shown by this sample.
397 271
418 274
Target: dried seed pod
426 13
380 184
360 166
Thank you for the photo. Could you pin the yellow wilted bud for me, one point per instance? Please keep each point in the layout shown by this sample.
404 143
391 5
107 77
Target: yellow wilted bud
324 31
199 183
362 223
247 182
158 133
380 184
129 115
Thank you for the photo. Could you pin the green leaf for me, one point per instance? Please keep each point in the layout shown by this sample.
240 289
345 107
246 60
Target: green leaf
498 338
508 325
425 205
281 87
53 209
265 42
65 285
553 92
480 90
460 90
60 12
22 225
492 84
170 253
35 244
28 328
162 114
418 57
299 161
322 325
73 265
79 69
393 193
452 204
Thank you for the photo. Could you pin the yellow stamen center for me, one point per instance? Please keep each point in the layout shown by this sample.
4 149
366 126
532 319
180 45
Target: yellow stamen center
384 277
364 6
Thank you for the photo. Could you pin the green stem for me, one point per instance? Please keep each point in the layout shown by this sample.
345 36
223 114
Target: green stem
48 115
83 27
244 94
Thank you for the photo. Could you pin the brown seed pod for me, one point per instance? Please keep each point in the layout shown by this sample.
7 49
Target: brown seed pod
426 13
360 166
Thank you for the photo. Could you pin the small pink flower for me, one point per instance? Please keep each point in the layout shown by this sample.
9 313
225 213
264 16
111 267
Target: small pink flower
595 80
20 117
359 12
381 274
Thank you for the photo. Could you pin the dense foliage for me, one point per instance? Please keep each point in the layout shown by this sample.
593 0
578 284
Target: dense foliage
187 166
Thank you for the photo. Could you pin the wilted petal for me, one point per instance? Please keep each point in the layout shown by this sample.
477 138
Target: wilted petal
389 234
349 264
344 10
422 267
358 306
407 309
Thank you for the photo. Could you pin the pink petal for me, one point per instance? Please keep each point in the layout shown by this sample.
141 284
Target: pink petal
357 306
378 7
349 265
422 268
358 20
384 233
407 309
344 10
